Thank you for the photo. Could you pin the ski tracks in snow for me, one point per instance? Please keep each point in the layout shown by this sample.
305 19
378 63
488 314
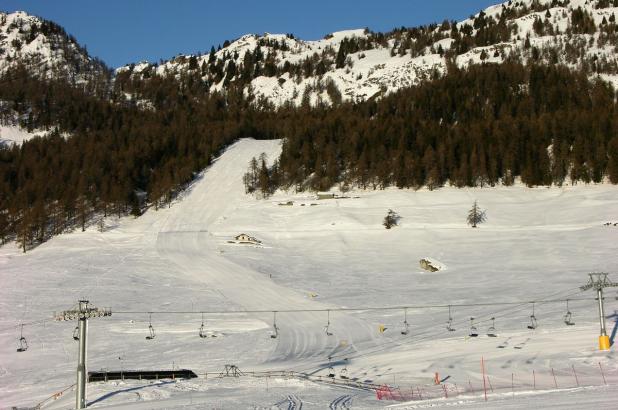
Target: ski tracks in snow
341 402
291 402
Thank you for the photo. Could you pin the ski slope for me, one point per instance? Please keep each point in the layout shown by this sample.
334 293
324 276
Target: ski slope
537 244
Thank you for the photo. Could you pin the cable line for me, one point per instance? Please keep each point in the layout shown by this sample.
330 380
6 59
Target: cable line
357 309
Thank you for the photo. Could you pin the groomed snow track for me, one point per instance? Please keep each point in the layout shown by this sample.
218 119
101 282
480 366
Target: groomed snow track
185 240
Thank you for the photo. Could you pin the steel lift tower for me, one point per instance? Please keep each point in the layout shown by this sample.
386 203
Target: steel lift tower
599 281
83 312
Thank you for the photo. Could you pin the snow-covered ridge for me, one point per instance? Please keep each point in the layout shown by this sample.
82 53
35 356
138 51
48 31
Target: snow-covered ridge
385 67
280 68
44 47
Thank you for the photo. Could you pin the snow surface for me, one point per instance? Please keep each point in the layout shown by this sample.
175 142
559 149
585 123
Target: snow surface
12 134
537 244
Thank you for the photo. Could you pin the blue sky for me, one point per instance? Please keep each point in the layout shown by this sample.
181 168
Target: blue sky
125 31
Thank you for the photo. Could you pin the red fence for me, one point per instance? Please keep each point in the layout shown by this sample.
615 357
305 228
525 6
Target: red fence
504 383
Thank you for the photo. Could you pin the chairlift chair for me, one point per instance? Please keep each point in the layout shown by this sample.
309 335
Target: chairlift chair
76 333
331 371
533 322
406 326
449 324
568 317
473 331
275 332
491 332
343 374
202 331
23 343
151 331
326 328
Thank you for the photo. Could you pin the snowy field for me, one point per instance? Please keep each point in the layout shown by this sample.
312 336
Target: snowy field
12 134
537 244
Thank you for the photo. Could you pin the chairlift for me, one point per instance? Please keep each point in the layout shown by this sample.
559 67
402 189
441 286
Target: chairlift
343 374
23 343
533 322
76 333
449 324
473 331
202 331
275 332
331 371
491 332
326 328
568 317
151 330
406 326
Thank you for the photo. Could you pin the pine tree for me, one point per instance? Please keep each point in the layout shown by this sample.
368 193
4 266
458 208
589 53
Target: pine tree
476 215
391 219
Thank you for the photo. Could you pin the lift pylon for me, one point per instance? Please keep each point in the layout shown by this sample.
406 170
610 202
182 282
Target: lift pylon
83 312
598 281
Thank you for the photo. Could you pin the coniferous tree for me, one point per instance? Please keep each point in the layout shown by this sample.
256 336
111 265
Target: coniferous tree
476 216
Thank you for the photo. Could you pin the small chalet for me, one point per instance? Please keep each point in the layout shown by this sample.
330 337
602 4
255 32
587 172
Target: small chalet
244 238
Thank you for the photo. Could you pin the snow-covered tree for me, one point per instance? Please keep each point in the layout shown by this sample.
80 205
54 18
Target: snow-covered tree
476 215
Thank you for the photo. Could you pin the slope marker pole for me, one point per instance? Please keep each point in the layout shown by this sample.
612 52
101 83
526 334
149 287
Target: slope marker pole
483 370
602 374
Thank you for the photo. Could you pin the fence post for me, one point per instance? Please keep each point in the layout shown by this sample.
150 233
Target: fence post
490 386
445 392
513 384
419 393
602 374
470 384
575 374
553 374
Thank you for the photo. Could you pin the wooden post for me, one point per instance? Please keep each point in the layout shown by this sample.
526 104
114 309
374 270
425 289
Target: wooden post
553 374
575 374
602 374
470 384
490 386
513 384
445 392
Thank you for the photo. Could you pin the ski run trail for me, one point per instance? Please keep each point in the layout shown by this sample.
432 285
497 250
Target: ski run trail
538 244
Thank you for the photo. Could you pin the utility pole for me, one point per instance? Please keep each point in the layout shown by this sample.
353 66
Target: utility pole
599 281
82 314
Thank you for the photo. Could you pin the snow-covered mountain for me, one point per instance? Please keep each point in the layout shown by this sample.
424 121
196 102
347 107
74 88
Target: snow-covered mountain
45 49
359 64
352 65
